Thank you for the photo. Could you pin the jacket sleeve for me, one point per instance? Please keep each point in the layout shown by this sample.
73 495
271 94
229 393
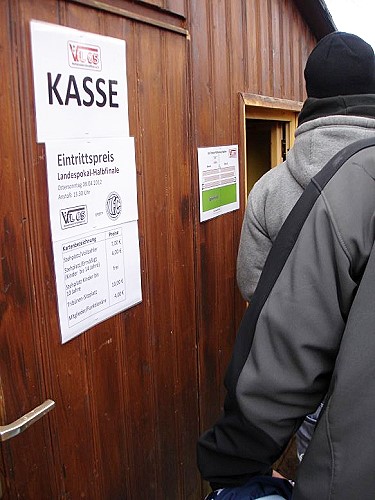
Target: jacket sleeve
254 247
284 353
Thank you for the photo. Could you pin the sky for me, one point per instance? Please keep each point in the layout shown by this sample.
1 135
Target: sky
354 16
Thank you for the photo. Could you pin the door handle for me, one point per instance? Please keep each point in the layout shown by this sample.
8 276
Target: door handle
22 423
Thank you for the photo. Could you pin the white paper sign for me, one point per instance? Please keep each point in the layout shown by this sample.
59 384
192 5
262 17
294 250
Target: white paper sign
80 83
218 181
97 276
91 184
93 215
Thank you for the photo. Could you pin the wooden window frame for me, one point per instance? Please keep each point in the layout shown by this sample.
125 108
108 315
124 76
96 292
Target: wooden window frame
254 106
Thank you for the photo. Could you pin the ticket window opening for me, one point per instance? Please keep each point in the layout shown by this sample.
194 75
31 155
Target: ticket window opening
267 142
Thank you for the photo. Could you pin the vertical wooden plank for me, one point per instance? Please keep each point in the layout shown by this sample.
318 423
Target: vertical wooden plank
137 350
156 179
286 84
220 59
265 37
238 72
107 405
308 44
21 376
208 27
203 119
203 112
203 127
237 17
276 47
221 246
300 79
297 73
252 9
168 233
276 153
182 257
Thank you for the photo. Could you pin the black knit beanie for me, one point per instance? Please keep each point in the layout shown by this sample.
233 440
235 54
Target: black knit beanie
340 64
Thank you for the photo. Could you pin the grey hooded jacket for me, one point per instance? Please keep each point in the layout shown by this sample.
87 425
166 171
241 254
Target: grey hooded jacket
316 141
309 332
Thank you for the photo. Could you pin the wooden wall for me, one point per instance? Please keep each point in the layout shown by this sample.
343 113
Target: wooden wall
253 46
133 393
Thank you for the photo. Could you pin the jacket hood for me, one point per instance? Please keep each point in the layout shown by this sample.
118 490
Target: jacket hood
318 139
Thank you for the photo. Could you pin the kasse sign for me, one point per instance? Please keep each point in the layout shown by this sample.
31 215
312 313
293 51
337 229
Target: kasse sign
79 83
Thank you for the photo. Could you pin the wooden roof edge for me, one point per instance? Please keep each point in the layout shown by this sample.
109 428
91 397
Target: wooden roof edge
317 17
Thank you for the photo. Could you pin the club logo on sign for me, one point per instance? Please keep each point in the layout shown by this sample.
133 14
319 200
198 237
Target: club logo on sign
84 56
113 205
74 216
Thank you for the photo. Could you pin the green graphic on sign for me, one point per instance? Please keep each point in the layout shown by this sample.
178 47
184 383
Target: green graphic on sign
217 197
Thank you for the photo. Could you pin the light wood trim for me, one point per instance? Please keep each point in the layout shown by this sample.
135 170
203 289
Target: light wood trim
281 115
276 153
271 102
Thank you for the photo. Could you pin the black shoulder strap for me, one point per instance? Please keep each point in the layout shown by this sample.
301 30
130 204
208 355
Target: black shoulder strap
279 254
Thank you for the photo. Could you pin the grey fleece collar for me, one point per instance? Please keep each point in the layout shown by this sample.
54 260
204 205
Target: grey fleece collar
318 140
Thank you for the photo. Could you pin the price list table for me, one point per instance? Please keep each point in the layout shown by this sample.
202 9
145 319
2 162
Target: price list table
94 274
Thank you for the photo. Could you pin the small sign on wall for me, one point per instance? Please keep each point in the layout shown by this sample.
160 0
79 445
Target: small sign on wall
218 181
80 83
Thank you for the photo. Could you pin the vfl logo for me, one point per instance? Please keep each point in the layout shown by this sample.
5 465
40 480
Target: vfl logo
70 217
113 205
84 56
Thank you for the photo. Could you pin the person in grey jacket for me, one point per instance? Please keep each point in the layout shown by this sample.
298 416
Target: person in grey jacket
340 109
308 333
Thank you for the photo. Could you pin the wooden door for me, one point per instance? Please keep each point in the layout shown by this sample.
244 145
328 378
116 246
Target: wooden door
126 418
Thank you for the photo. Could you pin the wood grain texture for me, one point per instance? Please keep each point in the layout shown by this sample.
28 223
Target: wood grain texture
255 47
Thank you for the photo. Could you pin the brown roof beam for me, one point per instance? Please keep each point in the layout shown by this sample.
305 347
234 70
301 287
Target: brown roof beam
317 17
